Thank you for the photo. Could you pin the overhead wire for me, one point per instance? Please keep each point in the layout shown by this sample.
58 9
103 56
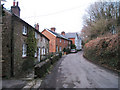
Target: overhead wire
54 13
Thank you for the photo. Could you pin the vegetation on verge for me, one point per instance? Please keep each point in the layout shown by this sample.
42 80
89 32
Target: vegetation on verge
103 51
101 34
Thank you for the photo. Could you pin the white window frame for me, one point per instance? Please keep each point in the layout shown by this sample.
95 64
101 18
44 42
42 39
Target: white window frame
60 39
44 51
60 48
64 41
24 50
47 50
44 40
69 42
36 35
24 32
36 53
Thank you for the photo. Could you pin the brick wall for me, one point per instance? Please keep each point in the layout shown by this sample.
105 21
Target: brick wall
73 40
61 44
52 42
55 42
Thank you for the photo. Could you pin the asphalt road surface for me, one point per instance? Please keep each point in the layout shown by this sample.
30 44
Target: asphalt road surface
74 71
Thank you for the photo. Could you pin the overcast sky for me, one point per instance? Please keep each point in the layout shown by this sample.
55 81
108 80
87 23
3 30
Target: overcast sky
64 15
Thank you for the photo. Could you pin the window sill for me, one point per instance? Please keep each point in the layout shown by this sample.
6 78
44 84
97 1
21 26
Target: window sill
36 57
24 34
24 56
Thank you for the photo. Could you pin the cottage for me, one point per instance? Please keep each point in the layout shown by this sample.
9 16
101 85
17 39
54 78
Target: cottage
76 39
57 42
14 47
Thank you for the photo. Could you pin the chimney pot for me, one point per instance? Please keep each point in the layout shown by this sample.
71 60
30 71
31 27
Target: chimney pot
14 3
62 33
37 26
17 3
53 29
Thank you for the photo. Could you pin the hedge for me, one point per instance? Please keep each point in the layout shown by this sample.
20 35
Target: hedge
104 50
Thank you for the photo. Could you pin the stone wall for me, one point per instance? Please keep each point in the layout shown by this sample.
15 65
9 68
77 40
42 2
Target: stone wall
12 42
18 40
6 44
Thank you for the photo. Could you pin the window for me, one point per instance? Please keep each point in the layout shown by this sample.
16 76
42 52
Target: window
24 30
44 51
24 50
47 50
60 49
36 53
56 48
60 39
36 35
44 40
41 38
69 42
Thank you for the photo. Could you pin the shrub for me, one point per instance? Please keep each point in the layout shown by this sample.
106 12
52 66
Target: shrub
27 64
60 54
103 50
64 49
67 50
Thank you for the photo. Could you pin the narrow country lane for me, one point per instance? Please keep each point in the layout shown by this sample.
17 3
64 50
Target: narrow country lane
74 71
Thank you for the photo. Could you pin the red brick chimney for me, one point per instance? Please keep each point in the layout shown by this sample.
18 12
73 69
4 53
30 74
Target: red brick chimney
37 26
62 33
53 29
15 9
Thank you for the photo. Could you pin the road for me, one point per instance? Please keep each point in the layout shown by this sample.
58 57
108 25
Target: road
74 71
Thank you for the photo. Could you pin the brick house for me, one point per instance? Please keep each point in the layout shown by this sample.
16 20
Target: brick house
57 42
14 36
75 38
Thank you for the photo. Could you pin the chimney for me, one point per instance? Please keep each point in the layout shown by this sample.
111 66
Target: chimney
53 29
62 33
37 26
15 9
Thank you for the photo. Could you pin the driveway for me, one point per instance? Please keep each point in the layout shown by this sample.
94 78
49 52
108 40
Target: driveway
74 71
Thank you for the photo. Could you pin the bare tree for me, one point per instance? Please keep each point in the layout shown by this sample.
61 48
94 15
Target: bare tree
102 18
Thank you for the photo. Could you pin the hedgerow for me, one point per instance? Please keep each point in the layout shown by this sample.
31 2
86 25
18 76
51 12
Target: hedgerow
104 50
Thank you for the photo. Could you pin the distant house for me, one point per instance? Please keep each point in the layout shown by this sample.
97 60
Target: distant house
42 44
14 46
57 42
76 39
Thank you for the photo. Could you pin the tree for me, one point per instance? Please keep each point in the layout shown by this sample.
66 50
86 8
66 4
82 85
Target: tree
73 46
101 19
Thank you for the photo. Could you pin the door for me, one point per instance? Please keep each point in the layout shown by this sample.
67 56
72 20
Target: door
39 54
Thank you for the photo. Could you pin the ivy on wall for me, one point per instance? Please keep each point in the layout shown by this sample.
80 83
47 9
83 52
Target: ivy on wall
31 49
31 44
3 12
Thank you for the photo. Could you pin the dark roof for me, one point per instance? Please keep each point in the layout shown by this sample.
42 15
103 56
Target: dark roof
58 35
26 23
70 35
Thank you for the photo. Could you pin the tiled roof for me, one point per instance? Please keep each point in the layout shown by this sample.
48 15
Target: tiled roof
8 11
70 35
58 35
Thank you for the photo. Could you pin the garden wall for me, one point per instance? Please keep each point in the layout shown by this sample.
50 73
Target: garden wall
42 68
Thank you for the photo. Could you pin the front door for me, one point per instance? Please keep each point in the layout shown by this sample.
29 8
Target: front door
39 54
